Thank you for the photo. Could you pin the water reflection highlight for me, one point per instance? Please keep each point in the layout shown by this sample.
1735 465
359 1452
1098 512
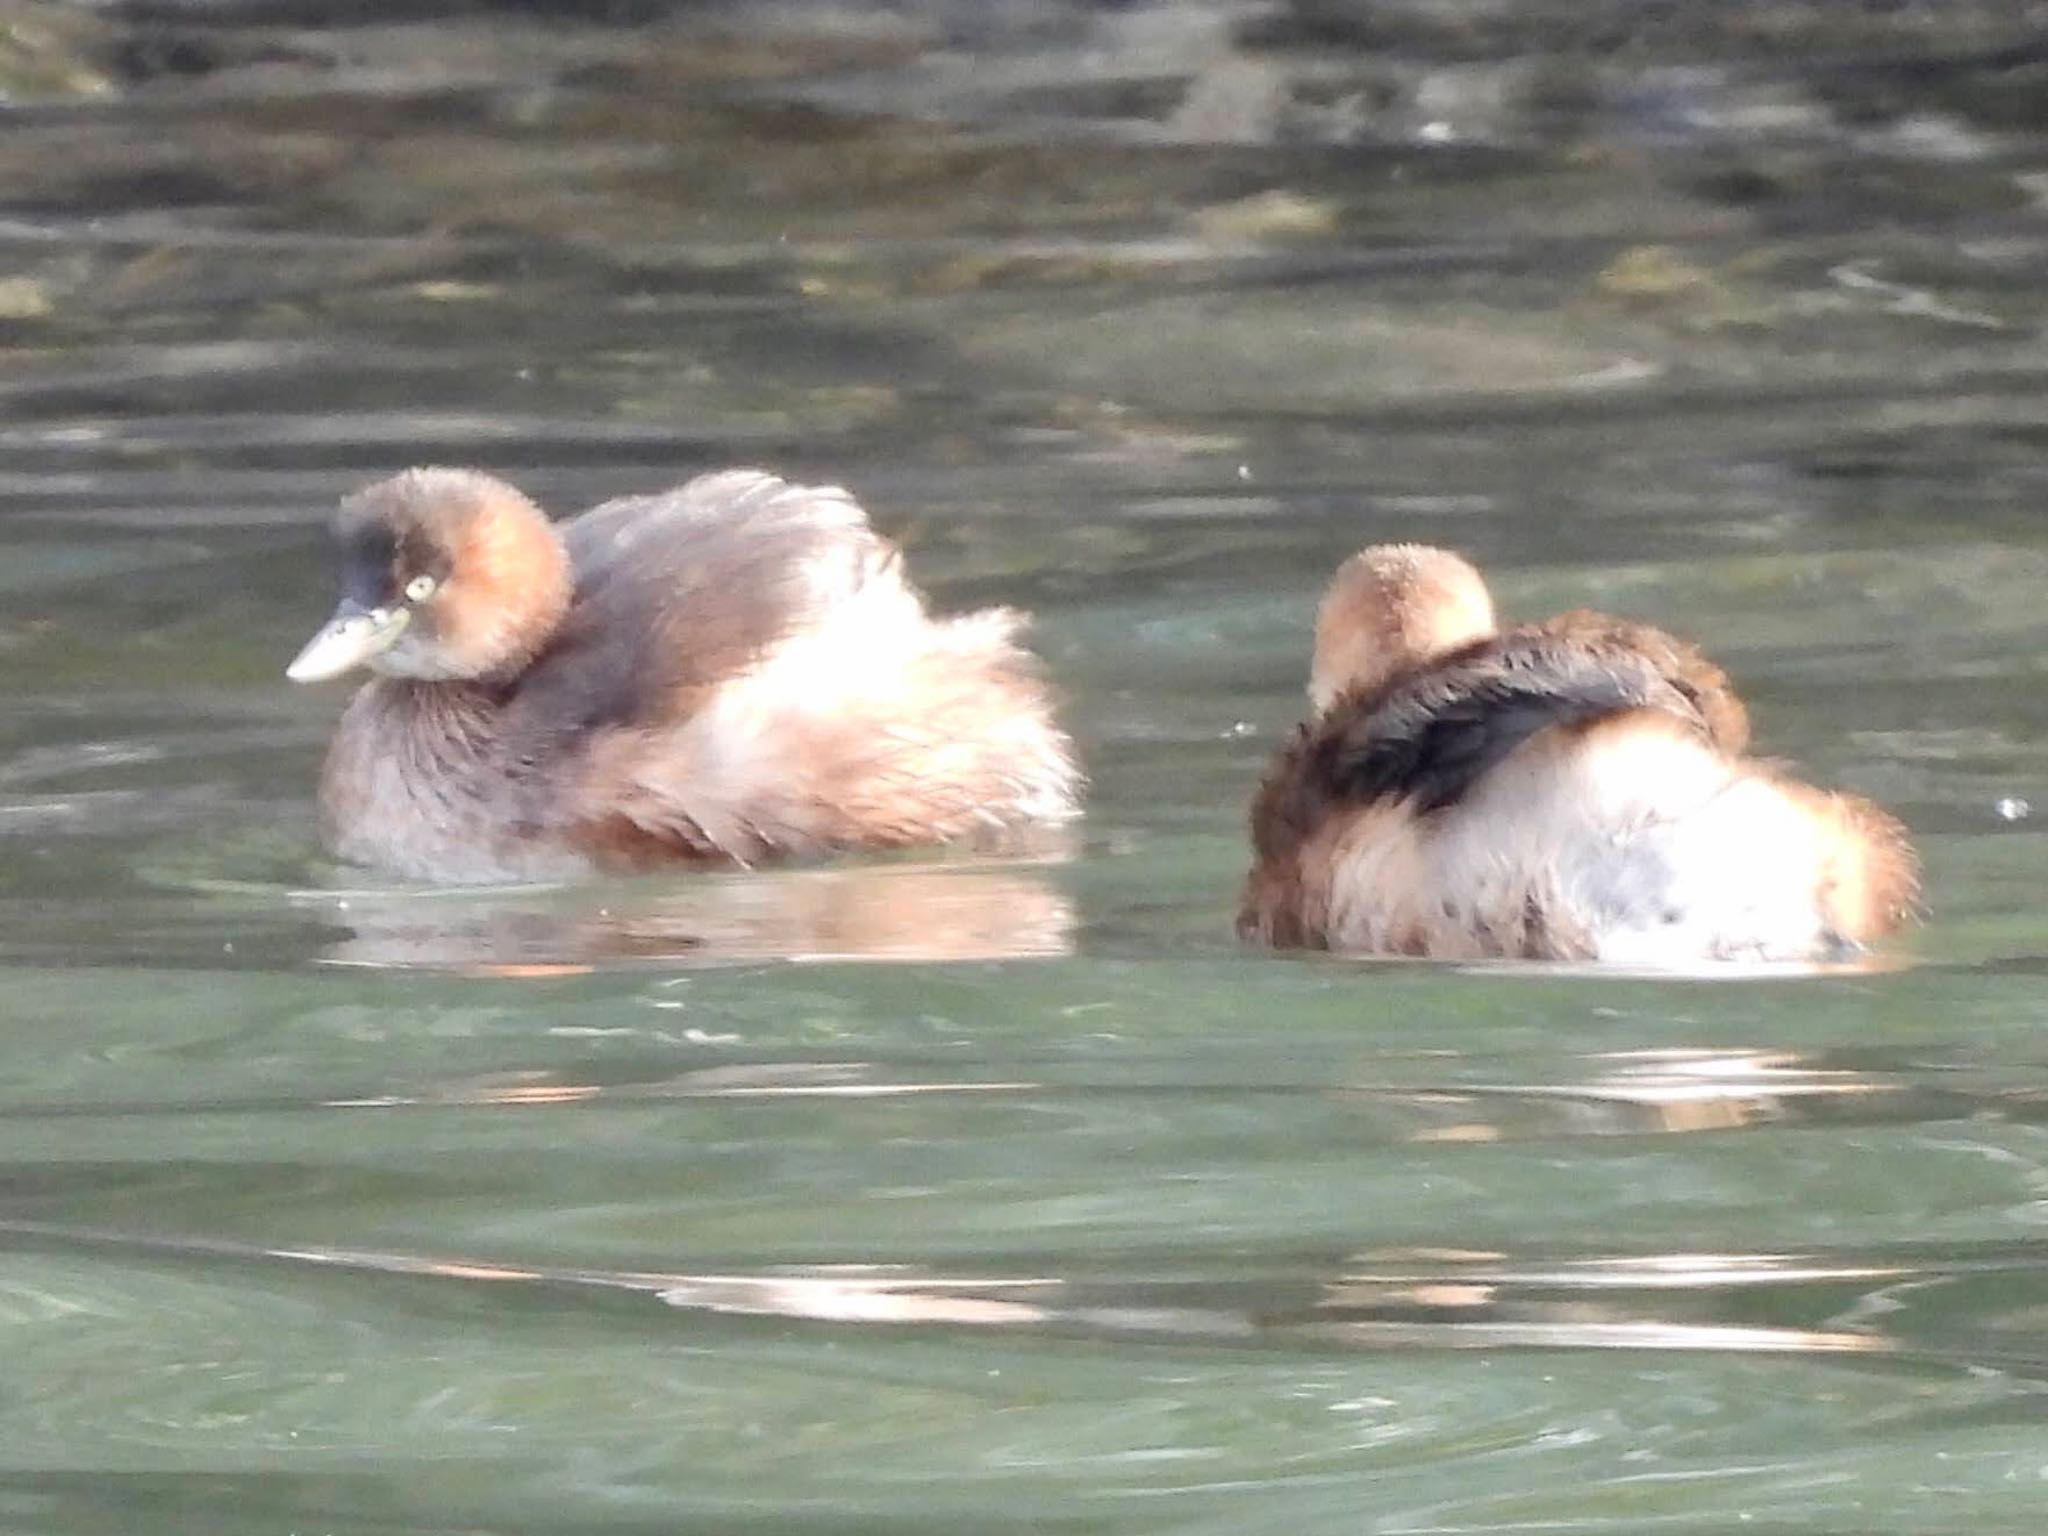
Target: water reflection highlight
885 912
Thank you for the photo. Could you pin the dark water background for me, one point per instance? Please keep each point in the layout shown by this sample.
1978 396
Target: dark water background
934 1196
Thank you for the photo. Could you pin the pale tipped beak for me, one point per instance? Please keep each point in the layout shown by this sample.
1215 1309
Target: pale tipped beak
353 636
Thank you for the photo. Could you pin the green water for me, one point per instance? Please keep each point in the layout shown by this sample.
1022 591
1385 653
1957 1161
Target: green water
934 1195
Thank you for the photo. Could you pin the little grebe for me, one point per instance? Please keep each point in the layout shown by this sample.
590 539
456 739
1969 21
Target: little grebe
1571 790
725 672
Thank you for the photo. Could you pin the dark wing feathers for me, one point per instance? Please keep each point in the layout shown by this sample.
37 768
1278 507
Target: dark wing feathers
679 591
1428 736
1431 737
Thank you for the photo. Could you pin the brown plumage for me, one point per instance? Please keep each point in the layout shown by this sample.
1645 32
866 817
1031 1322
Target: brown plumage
1575 789
730 671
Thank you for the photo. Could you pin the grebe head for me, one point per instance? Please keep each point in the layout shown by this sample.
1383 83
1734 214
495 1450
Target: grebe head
1390 607
445 574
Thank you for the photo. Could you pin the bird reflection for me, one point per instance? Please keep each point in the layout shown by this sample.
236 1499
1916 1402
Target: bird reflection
1638 1093
910 912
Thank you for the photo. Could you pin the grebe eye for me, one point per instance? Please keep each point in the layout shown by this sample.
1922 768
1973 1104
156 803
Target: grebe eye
419 589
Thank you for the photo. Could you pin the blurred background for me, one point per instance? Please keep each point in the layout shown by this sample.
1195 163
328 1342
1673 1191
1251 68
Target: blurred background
952 1195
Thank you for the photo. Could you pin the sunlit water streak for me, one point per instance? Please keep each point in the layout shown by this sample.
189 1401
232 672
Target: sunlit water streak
1418 1301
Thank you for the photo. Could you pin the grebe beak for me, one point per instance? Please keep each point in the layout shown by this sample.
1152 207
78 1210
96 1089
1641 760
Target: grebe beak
350 638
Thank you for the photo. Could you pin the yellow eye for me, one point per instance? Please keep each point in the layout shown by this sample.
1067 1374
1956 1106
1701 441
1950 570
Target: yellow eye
419 589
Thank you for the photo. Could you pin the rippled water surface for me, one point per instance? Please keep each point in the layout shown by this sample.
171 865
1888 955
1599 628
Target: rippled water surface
935 1195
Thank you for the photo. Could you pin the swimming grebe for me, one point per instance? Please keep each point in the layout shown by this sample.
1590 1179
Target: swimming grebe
1571 790
725 672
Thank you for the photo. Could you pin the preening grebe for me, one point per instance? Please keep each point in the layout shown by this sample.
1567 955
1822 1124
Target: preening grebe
1573 790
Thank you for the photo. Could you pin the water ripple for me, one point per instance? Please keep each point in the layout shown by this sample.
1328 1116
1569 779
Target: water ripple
1678 1303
